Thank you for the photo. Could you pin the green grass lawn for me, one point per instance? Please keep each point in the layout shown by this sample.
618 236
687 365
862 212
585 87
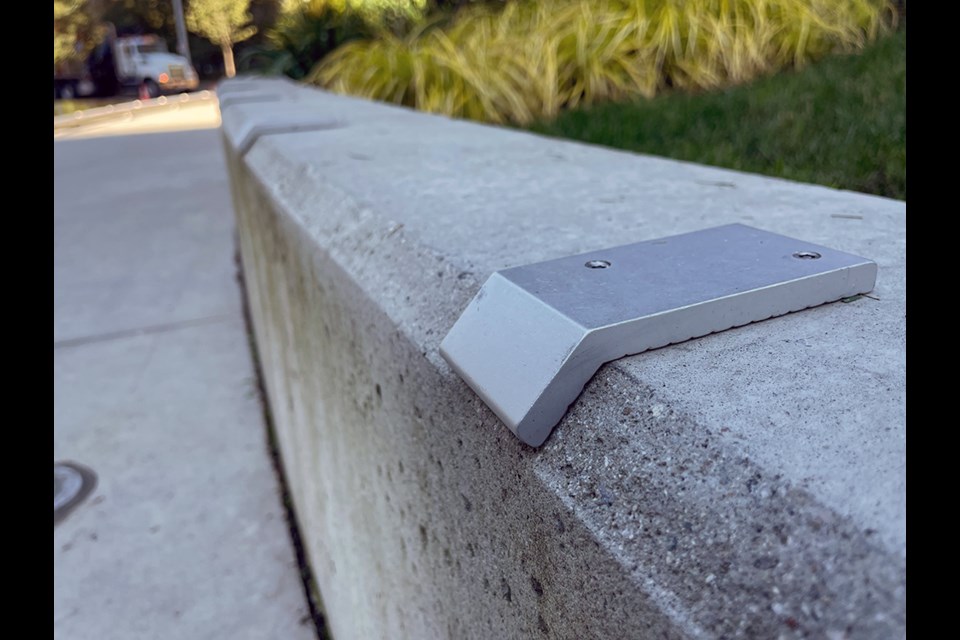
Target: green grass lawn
840 122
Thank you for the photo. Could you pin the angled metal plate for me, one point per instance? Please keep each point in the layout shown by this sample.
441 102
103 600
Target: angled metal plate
533 336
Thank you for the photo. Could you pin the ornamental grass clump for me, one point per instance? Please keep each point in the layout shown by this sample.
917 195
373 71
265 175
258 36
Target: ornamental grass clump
528 60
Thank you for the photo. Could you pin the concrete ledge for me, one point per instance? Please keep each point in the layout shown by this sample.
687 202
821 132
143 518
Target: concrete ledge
747 484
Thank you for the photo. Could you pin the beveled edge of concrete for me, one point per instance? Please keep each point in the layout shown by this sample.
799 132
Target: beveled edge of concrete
752 481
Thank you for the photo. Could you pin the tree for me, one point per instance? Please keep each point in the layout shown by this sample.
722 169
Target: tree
222 22
134 17
75 29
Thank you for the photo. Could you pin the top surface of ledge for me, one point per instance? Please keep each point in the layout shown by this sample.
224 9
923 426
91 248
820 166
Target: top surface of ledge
816 396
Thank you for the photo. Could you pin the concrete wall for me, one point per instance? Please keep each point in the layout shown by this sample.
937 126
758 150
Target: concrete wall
747 484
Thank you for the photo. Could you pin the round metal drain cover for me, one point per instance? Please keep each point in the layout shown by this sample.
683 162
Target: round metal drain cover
71 484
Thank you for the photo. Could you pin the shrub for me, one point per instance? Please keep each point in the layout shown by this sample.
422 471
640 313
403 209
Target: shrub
308 30
529 60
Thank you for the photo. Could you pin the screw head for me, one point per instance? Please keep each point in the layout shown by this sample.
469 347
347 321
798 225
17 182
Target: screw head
806 255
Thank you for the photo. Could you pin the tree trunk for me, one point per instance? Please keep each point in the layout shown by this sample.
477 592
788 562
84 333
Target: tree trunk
228 66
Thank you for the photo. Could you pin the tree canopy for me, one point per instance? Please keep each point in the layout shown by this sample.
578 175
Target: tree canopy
75 29
223 22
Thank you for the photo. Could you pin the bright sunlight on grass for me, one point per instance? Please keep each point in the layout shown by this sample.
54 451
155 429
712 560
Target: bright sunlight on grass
528 60
840 122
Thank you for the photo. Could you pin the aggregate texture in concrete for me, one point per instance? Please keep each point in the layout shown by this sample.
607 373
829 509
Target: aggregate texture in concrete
748 484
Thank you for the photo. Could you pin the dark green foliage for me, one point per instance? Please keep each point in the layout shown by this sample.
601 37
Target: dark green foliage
840 122
300 38
132 17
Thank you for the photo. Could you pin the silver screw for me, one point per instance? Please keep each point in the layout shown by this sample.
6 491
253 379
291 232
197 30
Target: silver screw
806 255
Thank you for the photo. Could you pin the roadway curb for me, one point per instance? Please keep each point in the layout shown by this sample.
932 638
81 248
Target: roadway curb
85 117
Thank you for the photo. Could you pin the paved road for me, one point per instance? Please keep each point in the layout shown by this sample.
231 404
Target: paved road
184 536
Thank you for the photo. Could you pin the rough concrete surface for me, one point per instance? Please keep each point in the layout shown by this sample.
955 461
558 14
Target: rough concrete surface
749 484
154 389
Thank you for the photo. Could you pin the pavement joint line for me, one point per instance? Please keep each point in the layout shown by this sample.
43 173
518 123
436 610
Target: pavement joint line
130 333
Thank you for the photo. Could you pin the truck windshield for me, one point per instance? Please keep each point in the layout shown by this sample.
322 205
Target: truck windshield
154 47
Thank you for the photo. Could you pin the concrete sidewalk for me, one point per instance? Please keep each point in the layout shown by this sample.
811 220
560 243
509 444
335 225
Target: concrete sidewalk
154 389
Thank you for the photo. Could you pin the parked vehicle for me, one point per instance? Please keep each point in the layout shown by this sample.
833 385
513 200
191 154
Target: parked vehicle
71 80
141 63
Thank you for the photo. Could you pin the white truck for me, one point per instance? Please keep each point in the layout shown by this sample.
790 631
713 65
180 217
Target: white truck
141 63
